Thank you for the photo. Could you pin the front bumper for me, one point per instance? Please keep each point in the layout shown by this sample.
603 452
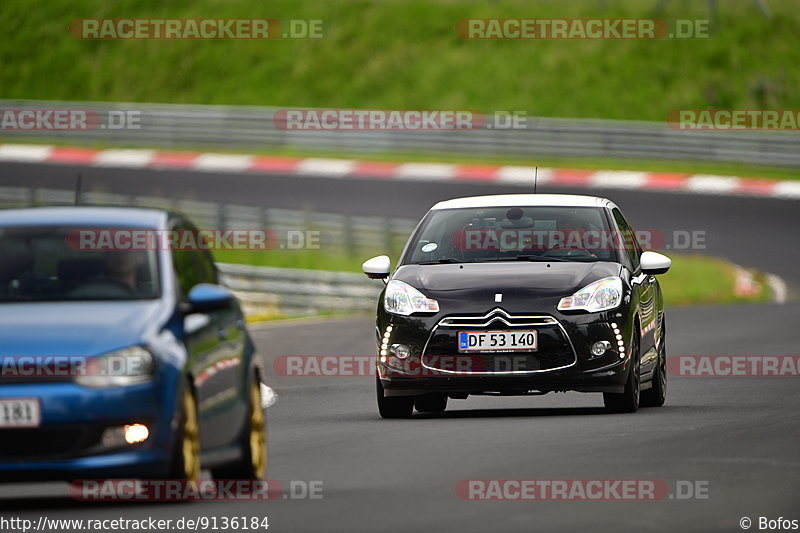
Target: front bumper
68 443
562 362
608 380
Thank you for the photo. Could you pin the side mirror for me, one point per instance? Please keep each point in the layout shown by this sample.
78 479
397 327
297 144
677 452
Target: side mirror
377 267
206 297
655 263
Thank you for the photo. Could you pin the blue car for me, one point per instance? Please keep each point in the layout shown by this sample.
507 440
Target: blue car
123 362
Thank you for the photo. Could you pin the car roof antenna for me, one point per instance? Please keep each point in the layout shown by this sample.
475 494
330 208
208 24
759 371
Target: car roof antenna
535 179
78 189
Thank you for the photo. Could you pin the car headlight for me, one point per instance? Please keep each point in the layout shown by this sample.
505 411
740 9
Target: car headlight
119 368
602 295
403 299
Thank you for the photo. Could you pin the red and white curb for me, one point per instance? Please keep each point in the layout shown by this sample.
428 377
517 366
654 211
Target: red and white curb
746 285
438 172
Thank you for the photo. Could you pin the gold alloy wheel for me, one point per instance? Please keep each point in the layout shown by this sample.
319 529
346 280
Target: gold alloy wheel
190 447
258 441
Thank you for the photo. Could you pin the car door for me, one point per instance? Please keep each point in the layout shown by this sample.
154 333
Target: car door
644 292
215 341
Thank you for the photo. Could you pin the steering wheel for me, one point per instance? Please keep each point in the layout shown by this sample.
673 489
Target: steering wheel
569 251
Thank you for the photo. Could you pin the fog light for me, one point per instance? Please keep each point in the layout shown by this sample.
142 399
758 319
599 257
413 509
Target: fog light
136 433
600 347
401 351
117 436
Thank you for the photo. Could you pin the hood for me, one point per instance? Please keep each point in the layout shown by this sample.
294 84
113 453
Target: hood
534 278
75 328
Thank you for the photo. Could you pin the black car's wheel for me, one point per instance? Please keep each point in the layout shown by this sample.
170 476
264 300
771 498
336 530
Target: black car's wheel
431 403
186 453
253 462
657 395
628 400
394 406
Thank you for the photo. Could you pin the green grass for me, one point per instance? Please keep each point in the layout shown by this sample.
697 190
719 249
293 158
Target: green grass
692 279
404 54
697 279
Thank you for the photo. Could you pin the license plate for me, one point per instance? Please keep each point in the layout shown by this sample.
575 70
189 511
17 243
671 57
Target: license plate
497 341
20 413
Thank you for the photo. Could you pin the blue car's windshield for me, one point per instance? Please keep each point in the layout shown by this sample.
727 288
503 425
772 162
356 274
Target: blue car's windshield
50 264
521 233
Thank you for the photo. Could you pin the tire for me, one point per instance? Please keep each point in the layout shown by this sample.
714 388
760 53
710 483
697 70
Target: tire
394 407
628 400
430 403
255 454
657 395
186 453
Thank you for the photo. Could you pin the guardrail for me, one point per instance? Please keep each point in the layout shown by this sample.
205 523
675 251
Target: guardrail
340 233
248 128
267 291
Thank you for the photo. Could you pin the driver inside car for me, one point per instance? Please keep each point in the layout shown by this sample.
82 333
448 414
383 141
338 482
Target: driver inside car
118 276
123 267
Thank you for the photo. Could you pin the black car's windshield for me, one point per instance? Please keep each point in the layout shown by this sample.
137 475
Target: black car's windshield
513 234
49 264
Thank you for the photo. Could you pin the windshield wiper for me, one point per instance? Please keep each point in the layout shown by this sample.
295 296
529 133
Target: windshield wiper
443 261
530 258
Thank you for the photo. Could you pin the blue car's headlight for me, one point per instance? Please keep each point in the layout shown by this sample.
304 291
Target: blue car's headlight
602 295
128 366
403 299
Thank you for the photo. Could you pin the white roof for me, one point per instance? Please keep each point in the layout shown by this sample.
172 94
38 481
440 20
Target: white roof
510 200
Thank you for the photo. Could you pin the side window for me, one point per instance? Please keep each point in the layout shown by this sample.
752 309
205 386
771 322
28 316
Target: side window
192 266
629 242
185 272
207 270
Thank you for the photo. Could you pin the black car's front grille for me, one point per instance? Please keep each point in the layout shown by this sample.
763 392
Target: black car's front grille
497 317
554 350
45 443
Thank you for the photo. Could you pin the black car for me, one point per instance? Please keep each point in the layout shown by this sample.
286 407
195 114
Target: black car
520 294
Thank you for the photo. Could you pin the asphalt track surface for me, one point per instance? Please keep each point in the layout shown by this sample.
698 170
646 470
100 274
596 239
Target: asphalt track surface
735 436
